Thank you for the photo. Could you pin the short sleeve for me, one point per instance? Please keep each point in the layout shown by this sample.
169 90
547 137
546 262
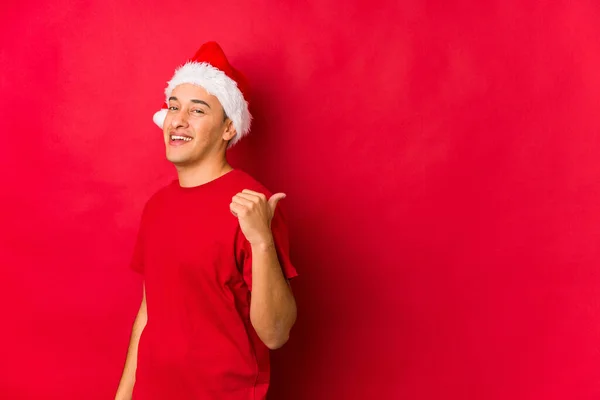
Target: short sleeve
280 233
137 260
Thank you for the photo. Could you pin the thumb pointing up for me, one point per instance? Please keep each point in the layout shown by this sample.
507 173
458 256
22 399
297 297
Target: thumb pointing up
274 200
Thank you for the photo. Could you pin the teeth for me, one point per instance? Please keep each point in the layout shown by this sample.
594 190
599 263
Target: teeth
176 137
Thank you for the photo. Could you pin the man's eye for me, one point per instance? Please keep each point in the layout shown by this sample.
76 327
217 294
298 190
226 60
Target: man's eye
172 108
198 111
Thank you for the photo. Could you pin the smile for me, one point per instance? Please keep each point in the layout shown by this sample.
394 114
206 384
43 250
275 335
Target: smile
177 137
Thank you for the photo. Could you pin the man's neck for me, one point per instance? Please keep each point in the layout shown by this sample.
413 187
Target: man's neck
196 175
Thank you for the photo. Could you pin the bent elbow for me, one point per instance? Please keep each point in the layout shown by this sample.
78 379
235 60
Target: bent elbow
273 334
273 339
275 343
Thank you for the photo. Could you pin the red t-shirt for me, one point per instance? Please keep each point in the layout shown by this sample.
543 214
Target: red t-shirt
199 342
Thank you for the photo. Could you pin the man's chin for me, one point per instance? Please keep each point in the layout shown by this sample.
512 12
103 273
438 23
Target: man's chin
178 161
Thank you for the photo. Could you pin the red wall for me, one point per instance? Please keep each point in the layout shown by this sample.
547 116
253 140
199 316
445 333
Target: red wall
441 165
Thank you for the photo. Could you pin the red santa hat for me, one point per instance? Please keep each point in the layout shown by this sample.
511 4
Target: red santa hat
210 69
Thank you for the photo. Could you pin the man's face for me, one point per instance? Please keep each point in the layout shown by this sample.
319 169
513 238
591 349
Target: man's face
195 126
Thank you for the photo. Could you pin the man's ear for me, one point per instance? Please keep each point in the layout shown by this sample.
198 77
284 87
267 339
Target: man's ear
229 132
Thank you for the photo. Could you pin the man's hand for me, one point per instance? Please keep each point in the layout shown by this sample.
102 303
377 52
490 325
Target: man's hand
255 213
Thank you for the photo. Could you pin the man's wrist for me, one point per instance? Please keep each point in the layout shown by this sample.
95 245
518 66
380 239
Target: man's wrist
264 245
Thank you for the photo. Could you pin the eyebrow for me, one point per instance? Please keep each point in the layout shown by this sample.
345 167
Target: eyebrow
192 100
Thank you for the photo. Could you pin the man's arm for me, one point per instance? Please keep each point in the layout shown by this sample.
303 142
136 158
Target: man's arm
125 389
272 307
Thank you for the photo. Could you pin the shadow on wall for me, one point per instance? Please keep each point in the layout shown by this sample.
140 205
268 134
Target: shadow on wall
338 280
259 152
264 154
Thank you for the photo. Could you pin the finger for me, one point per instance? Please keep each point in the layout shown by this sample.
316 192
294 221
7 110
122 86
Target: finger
275 199
252 197
261 195
242 201
236 209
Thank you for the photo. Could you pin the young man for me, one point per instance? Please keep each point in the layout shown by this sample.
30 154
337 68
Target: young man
213 250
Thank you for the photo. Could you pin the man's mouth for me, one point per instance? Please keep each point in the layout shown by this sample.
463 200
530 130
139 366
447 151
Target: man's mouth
176 138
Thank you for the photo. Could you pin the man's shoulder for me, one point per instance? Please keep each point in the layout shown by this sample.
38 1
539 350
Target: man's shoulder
245 180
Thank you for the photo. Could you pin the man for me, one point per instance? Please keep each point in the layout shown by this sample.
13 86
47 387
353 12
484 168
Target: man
213 250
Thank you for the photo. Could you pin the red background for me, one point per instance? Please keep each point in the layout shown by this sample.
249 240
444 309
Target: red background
441 165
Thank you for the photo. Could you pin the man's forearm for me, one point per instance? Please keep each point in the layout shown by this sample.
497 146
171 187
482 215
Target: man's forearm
272 307
125 389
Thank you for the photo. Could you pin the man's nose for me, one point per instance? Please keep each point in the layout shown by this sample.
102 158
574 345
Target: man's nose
180 119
